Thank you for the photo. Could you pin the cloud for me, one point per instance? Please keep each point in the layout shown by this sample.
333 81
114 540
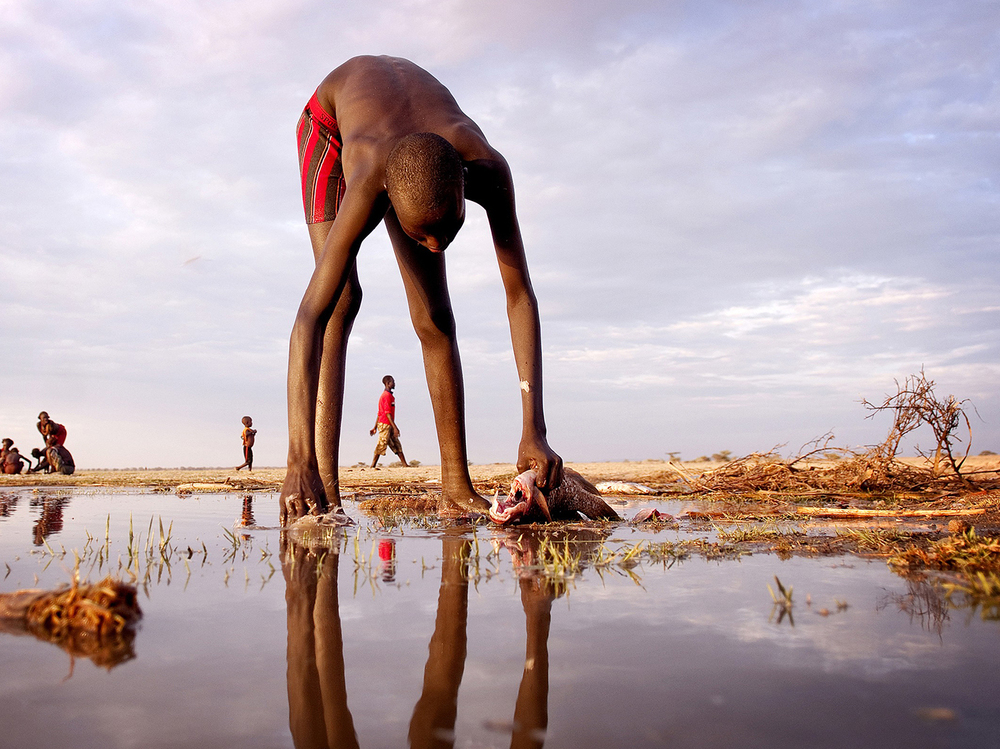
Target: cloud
738 218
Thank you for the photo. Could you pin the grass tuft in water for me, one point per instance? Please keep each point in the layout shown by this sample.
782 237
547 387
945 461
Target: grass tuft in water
965 552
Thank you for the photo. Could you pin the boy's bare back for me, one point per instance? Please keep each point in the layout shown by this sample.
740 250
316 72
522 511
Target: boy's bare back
378 100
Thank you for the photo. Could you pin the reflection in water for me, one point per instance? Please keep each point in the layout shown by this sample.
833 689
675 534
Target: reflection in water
246 518
317 685
533 554
923 601
387 560
51 519
8 502
95 621
433 721
531 713
318 715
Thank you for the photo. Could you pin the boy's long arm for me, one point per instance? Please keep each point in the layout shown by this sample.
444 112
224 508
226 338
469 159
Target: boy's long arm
522 313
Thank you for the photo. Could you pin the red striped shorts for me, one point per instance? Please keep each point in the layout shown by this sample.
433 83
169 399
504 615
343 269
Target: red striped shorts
322 173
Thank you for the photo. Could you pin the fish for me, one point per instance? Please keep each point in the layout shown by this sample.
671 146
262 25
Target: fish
652 515
526 503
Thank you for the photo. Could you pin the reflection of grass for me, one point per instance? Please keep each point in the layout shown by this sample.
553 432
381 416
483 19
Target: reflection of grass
558 559
980 590
750 534
782 602
885 540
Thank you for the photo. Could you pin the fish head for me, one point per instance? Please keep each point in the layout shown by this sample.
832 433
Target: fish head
523 501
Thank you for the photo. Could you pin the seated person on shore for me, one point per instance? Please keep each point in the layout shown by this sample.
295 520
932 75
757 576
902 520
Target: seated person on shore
48 428
5 445
383 141
13 461
59 458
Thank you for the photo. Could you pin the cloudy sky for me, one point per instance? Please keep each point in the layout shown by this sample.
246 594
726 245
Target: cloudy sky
740 220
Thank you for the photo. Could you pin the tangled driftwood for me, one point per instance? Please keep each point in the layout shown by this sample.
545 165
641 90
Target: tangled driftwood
875 470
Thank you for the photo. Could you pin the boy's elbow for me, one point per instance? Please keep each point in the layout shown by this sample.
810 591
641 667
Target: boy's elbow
521 301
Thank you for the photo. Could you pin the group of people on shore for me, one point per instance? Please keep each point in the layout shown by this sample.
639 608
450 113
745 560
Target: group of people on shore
53 458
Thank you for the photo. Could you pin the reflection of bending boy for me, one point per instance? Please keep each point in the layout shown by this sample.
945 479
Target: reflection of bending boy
385 424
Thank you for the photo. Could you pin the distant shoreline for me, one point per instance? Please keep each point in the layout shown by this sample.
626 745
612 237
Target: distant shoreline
264 479
350 476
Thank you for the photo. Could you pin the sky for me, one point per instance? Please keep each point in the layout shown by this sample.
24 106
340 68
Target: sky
741 219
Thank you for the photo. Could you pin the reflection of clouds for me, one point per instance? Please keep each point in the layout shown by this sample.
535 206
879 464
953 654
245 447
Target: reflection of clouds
730 601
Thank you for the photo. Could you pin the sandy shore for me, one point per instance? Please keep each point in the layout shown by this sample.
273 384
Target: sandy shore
651 472
655 471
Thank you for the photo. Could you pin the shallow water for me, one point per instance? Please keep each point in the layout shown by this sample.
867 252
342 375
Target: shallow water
456 639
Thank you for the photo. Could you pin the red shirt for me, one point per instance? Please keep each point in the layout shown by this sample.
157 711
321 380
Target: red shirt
386 407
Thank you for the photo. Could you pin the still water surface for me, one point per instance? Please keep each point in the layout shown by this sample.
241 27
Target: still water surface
446 636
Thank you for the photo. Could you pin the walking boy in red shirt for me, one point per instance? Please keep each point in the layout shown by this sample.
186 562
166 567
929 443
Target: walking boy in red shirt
385 424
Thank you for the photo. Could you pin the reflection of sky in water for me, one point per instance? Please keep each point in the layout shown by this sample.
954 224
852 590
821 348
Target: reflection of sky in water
688 656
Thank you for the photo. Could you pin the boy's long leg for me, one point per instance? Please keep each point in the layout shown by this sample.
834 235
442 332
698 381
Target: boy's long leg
315 391
426 287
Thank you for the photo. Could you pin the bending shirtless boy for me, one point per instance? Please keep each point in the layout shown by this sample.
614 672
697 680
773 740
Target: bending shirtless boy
382 141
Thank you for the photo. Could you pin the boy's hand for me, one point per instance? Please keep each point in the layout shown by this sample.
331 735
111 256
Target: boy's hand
535 454
372 432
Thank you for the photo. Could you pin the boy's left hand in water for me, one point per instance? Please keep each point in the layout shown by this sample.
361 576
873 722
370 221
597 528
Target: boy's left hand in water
538 456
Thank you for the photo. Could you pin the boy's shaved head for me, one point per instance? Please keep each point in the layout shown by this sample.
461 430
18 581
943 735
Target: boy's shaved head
423 176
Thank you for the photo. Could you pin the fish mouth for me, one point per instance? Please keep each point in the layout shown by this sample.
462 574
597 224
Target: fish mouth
505 510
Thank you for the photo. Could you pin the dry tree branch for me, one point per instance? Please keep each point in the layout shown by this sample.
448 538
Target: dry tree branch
914 404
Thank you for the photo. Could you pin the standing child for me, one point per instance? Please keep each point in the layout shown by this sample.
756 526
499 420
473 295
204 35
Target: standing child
248 438
48 428
385 424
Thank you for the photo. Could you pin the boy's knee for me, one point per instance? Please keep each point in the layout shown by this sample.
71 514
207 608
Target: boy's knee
435 327
350 301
